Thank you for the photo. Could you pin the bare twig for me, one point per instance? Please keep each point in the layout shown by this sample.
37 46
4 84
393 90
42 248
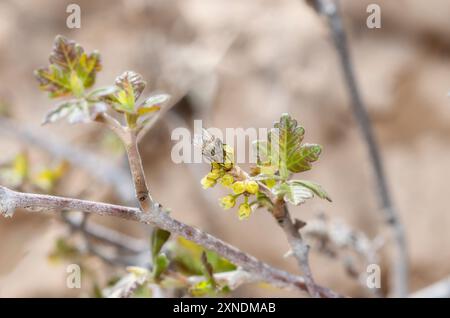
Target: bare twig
329 9
107 235
12 200
299 247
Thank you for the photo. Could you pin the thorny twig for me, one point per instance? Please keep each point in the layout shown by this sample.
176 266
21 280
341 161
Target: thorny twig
329 9
12 200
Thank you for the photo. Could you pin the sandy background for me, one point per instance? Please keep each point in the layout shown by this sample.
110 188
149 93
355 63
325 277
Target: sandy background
241 64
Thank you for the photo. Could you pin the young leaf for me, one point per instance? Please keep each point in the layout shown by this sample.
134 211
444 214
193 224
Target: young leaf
301 160
71 70
159 238
65 53
314 187
160 264
293 193
54 81
75 110
100 93
284 143
130 86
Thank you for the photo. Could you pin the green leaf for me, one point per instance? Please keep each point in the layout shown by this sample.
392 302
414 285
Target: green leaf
301 160
75 111
284 142
153 103
100 93
54 81
130 86
187 258
160 264
293 193
203 288
314 187
159 238
65 53
71 70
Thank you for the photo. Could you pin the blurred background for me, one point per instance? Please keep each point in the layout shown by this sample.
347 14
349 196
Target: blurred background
237 64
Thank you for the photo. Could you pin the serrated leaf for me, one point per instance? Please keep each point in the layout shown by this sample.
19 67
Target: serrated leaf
301 160
130 85
314 187
283 142
71 70
75 111
54 81
159 238
65 53
294 193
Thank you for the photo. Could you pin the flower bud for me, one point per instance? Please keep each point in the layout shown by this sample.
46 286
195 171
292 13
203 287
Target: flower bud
251 187
244 211
238 187
227 180
207 182
227 202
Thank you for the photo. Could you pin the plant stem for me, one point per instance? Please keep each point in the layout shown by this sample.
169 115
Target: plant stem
12 200
137 171
300 248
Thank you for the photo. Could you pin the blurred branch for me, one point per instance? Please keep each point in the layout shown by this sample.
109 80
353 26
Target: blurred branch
330 10
335 237
96 166
106 235
12 200
441 289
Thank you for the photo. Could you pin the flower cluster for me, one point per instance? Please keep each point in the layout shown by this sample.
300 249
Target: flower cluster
221 173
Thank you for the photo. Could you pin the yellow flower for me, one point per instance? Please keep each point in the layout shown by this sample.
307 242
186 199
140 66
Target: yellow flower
238 187
244 211
227 180
214 174
251 187
227 202
207 182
